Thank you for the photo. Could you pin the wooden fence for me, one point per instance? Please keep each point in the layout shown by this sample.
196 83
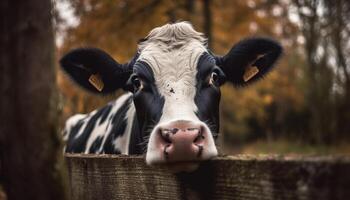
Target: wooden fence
230 177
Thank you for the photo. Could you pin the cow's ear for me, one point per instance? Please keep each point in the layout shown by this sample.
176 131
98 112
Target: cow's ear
95 70
249 60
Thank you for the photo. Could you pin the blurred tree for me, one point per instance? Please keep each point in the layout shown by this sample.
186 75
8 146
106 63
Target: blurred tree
29 143
338 14
325 28
207 16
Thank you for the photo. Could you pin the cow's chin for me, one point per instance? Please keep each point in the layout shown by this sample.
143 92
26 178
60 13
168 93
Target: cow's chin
180 166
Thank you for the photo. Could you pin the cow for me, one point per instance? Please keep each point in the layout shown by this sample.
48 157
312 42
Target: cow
170 112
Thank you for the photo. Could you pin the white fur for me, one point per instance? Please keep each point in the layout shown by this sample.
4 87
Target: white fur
172 51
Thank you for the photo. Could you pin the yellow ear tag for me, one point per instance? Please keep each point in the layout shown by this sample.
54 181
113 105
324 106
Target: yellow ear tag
250 72
96 81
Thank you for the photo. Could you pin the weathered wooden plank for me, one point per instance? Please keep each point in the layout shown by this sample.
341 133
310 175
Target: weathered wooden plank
230 177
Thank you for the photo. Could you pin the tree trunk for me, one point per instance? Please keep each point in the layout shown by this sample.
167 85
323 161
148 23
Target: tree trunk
317 95
207 21
29 143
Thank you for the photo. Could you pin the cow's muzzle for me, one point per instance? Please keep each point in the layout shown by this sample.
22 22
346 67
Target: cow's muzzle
182 141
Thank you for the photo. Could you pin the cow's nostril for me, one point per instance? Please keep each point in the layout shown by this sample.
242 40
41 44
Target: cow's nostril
200 137
175 130
165 135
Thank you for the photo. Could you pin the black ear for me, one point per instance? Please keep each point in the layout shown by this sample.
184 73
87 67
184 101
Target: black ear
249 60
95 70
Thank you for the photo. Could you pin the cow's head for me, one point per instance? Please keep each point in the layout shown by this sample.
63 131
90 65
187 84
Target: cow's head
175 81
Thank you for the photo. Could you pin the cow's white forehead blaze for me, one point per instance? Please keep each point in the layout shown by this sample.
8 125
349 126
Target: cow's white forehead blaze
172 51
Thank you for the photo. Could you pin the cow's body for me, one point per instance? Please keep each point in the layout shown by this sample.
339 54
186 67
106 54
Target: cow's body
106 130
171 111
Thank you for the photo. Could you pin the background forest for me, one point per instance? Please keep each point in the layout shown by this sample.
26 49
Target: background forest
301 107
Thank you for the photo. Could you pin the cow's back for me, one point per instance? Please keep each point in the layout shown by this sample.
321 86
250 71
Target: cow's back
105 130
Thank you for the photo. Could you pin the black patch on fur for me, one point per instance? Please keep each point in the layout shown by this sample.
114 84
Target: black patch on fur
73 132
105 112
137 144
207 96
96 145
143 70
148 104
78 145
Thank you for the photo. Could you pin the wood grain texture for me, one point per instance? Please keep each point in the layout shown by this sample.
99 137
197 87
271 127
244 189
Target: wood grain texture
231 177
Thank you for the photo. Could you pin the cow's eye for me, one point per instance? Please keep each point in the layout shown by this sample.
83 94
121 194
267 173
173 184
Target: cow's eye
136 83
217 77
214 77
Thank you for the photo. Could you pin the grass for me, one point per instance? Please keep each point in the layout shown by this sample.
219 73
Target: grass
287 147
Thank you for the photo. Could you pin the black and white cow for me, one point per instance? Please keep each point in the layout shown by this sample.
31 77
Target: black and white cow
171 109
